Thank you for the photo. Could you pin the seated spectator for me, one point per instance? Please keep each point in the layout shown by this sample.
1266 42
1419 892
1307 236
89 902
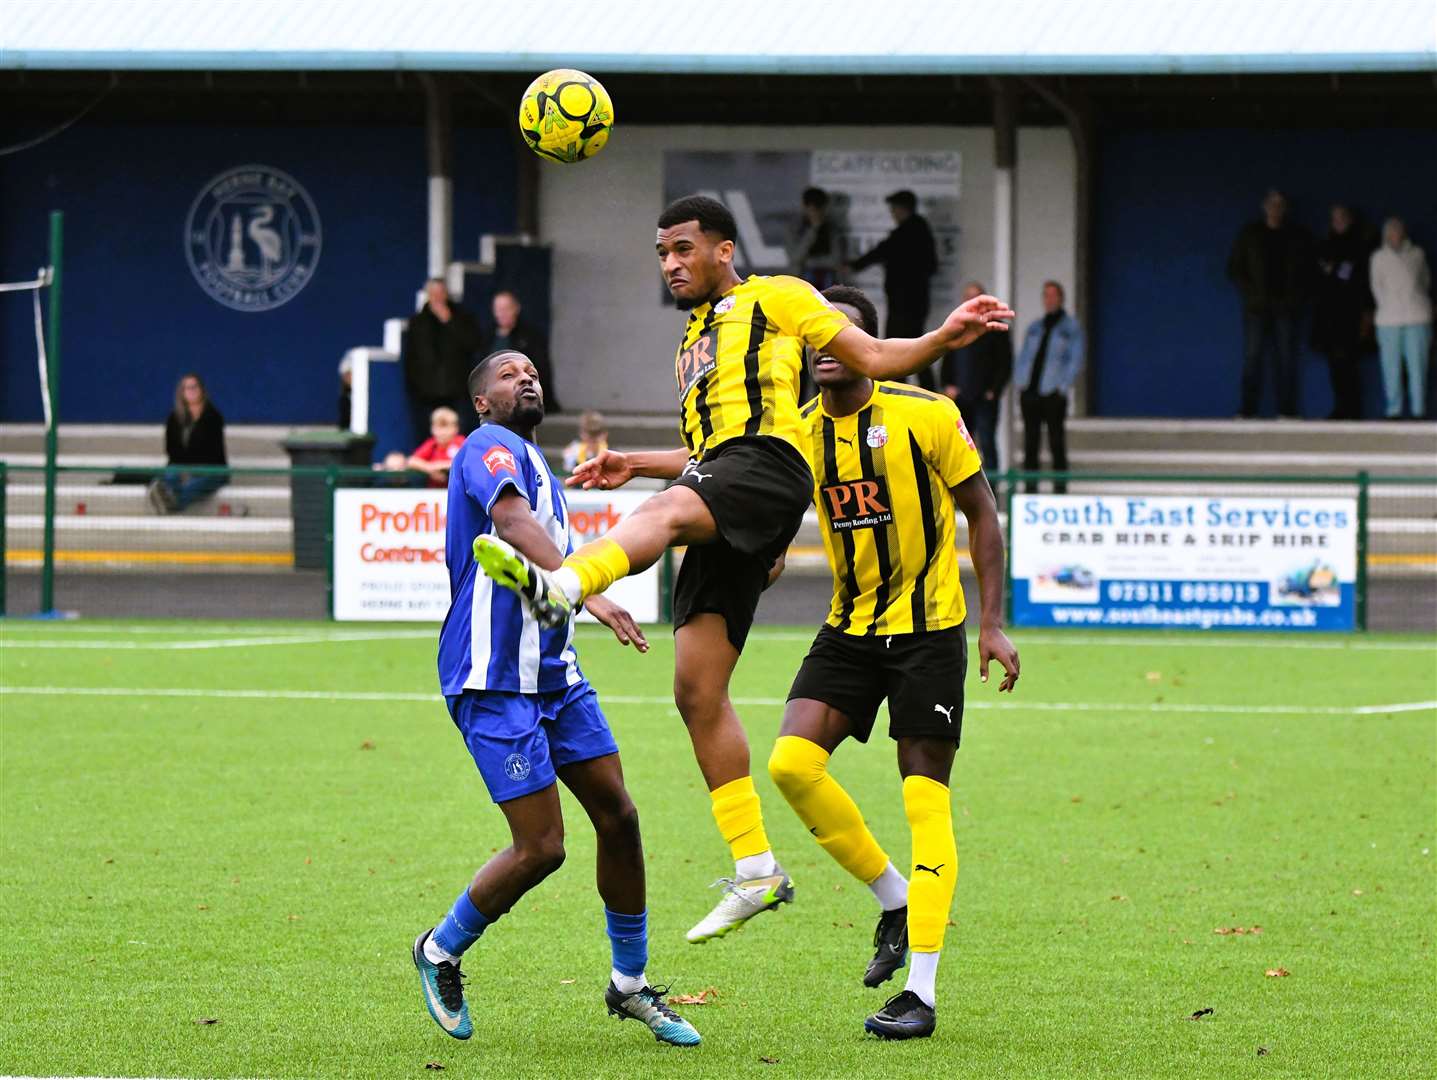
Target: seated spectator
593 440
436 452
194 435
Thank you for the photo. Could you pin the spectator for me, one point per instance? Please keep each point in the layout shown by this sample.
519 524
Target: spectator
1401 284
1271 265
194 435
346 391
815 252
975 377
910 259
593 440
436 452
439 350
512 332
1342 315
1048 365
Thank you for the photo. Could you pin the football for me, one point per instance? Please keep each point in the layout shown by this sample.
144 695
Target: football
566 116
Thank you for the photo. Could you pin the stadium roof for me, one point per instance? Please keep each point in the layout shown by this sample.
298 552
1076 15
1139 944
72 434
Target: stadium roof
837 37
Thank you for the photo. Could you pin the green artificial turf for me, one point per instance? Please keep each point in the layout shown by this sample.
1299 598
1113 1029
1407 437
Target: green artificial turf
264 862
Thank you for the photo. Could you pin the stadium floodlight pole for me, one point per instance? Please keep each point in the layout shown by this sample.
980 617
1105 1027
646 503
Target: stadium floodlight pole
52 424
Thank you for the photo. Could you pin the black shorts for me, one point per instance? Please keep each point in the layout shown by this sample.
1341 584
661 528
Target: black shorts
758 488
921 675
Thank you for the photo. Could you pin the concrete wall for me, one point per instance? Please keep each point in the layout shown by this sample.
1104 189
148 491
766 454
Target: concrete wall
614 340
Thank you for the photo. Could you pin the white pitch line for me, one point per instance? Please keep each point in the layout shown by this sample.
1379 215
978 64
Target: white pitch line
765 702
213 643
1118 638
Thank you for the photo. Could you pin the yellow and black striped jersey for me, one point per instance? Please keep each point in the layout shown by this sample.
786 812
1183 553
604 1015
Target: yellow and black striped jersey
738 364
882 485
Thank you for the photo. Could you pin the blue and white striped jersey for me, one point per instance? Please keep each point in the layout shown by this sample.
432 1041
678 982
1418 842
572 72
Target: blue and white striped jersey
489 641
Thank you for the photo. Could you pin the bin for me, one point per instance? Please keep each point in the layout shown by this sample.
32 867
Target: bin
309 495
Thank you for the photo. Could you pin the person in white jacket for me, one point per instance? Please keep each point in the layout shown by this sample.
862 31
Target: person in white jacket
1401 285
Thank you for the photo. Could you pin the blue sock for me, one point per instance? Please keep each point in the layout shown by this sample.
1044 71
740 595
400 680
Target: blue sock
629 941
461 927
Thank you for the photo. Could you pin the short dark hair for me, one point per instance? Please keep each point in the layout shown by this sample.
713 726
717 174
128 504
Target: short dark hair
712 215
815 196
479 374
855 298
903 198
1056 285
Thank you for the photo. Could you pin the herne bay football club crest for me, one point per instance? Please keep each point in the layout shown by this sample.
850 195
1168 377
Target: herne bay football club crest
252 238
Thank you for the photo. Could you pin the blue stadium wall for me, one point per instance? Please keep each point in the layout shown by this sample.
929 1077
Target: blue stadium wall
135 318
1167 323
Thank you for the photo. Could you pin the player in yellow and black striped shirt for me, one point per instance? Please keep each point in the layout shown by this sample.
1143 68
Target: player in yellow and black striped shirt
740 488
891 464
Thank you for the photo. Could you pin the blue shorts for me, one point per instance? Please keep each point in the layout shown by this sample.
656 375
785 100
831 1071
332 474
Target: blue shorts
519 740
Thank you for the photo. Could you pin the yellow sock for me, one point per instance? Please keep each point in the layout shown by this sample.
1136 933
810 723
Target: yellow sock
800 769
598 564
935 862
740 821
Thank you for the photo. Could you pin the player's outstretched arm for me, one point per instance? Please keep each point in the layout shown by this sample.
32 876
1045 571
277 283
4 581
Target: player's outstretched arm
610 469
985 543
893 358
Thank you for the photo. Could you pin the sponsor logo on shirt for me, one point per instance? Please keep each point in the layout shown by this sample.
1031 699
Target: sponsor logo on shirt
858 504
695 362
498 458
963 430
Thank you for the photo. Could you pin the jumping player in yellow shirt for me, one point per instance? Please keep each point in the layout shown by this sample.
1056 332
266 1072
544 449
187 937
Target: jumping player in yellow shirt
740 486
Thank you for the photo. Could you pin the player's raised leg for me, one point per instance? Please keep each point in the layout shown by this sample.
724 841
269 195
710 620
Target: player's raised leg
598 784
925 764
704 659
673 517
536 827
811 731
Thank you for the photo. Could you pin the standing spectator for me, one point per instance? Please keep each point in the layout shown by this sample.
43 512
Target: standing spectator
512 332
439 350
815 252
436 452
1271 266
910 259
1048 365
346 392
975 377
593 440
1342 314
1401 284
194 435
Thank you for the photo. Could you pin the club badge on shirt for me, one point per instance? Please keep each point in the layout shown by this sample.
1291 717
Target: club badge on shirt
497 458
877 436
725 305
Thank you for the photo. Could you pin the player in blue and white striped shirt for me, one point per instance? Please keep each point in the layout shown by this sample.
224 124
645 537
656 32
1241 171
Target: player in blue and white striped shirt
527 715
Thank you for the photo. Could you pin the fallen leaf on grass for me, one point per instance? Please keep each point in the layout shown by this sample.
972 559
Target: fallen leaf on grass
952 923
205 1021
1263 1051
707 996
294 918
1356 892
843 925
1277 973
566 982
202 907
1076 798
1225 930
768 1060
368 744
1155 676
1200 1014
434 1065
1117 896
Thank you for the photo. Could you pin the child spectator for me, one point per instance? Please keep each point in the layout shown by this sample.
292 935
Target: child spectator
436 452
593 440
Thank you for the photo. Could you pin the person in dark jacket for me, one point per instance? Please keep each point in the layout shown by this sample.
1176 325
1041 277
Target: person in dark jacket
1342 312
1271 265
975 377
442 345
909 258
194 435
510 331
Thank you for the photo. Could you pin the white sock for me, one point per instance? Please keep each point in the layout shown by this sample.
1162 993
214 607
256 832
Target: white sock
922 974
435 955
628 984
891 888
751 866
568 581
